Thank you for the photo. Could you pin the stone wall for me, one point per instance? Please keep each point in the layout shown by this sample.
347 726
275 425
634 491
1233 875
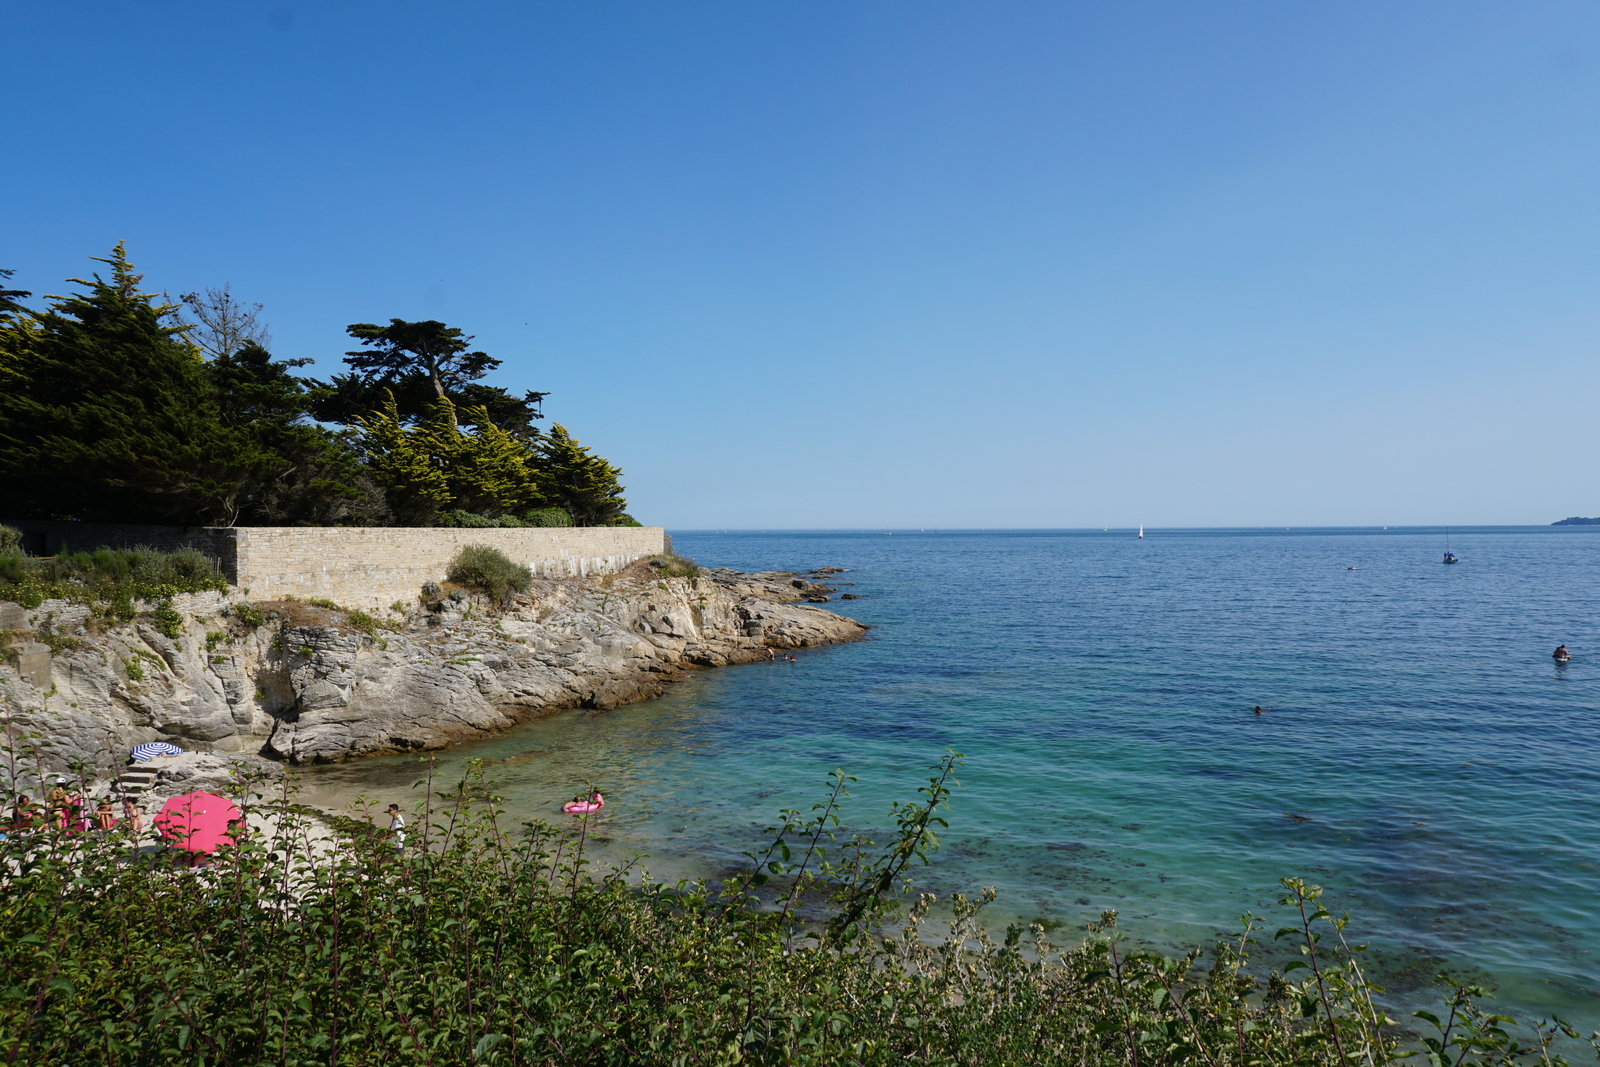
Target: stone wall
376 566
358 566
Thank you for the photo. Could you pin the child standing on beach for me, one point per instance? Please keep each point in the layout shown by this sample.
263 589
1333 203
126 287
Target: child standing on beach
397 827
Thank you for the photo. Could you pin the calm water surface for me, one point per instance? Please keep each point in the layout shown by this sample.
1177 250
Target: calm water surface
1422 758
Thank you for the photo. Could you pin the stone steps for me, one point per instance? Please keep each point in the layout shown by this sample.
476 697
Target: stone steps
135 780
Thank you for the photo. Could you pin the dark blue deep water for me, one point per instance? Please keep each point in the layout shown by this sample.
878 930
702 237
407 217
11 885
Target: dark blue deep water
1423 758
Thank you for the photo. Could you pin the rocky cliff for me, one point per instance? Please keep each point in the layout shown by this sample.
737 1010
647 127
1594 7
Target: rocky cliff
304 681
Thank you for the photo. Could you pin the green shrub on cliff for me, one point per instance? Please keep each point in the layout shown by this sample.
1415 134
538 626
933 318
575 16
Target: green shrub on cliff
10 541
168 620
248 615
674 566
114 575
477 946
485 569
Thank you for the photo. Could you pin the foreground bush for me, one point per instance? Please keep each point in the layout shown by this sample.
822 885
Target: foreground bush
108 574
488 570
482 947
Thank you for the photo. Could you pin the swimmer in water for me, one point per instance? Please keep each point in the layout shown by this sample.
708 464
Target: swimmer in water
1561 653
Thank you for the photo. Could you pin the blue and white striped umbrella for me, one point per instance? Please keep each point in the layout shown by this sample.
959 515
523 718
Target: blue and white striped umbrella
152 749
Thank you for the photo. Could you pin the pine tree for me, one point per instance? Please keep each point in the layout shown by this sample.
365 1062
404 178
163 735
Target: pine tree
417 364
8 297
319 478
108 416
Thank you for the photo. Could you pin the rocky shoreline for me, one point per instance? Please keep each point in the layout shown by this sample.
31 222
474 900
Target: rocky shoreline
310 682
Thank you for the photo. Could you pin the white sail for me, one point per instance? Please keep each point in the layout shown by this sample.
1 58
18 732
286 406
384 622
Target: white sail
1141 531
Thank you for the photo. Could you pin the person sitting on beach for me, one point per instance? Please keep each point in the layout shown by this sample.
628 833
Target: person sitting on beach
24 816
105 816
132 817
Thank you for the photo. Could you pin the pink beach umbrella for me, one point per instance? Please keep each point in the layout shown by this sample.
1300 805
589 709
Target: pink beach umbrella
197 822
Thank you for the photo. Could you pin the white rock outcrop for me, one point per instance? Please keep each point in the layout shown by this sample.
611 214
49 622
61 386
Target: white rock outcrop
303 682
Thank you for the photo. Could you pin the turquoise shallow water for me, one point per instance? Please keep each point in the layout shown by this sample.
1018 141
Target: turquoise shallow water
1445 772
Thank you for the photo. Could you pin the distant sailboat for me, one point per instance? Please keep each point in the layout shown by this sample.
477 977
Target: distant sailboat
1449 556
1141 531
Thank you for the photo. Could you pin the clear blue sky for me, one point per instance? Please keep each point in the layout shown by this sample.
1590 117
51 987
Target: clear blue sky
891 264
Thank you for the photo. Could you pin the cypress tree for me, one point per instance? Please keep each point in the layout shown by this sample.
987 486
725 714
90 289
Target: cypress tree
404 462
584 485
437 464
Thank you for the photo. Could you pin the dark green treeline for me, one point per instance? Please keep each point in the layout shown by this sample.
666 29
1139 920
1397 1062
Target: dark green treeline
118 406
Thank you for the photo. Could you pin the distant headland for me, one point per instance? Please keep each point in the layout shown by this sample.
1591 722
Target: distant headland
1577 520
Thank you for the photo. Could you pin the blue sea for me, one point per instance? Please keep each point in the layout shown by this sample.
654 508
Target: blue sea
1421 756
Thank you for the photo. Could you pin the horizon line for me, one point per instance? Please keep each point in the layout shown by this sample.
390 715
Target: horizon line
1119 529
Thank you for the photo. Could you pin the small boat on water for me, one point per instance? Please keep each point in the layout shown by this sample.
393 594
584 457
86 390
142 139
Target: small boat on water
1141 531
1449 556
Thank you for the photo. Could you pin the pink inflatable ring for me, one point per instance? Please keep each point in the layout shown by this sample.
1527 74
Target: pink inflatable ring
579 807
